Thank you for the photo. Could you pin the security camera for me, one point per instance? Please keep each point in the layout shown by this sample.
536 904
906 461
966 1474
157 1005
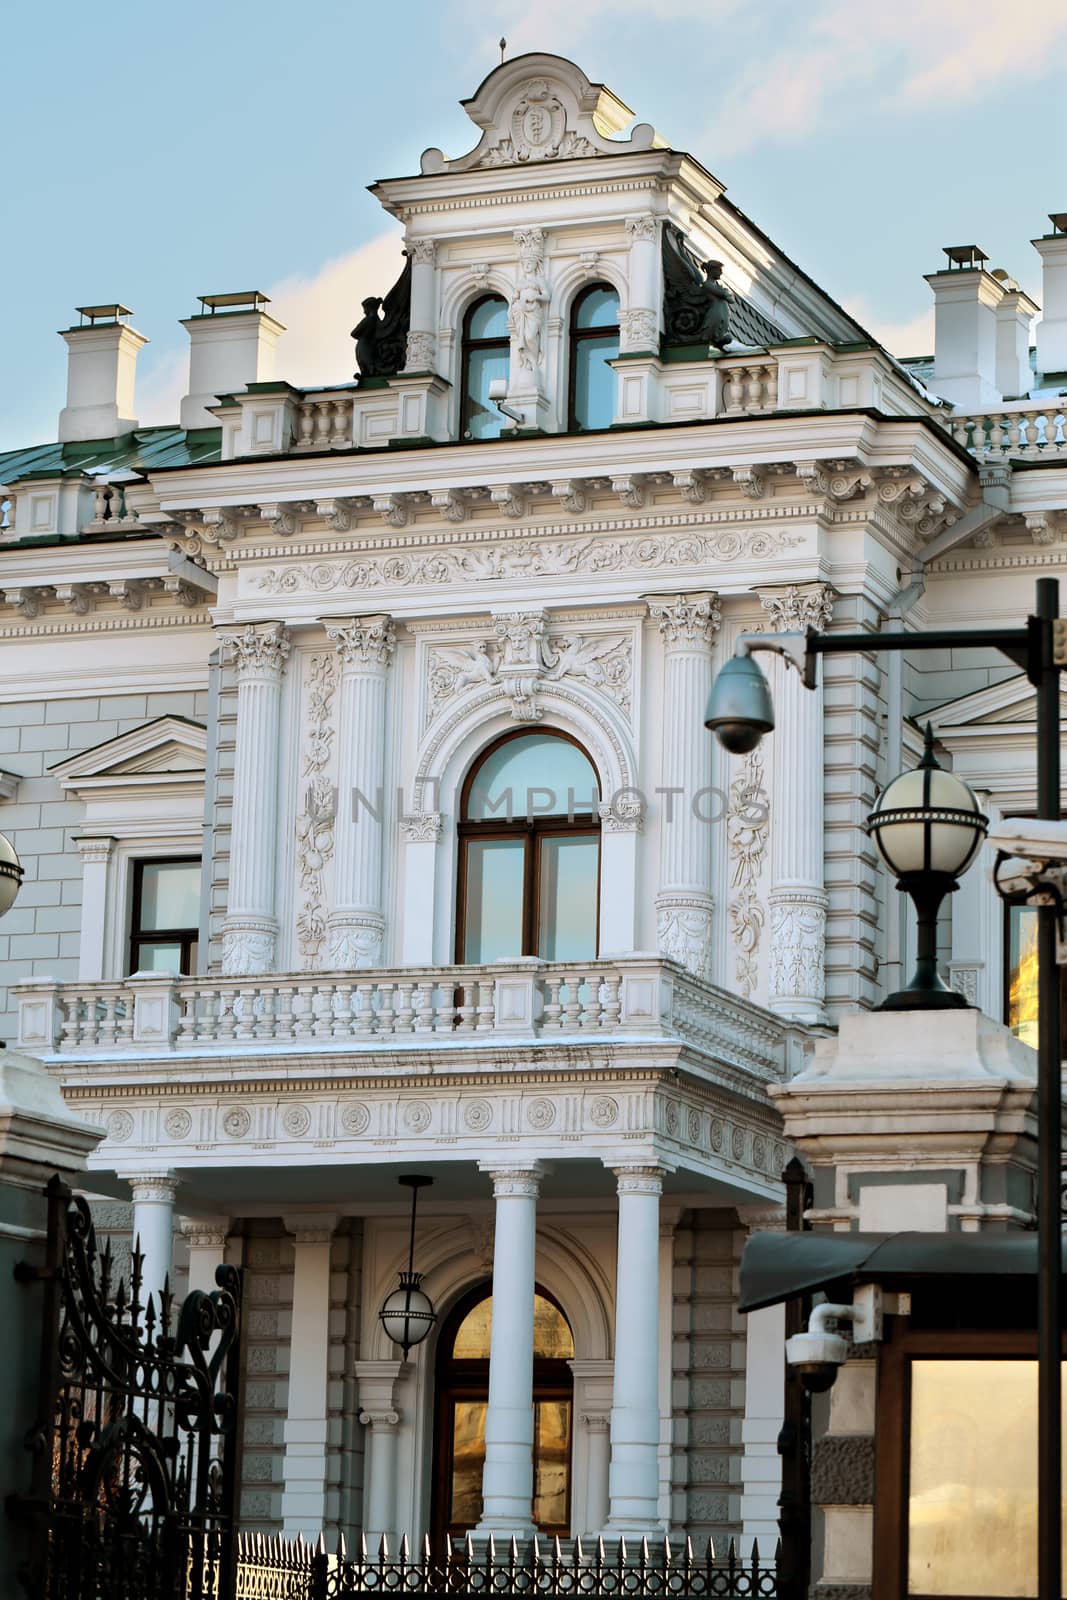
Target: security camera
1031 865
818 1353
498 394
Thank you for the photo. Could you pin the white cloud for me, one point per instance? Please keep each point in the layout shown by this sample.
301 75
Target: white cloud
912 337
317 309
844 57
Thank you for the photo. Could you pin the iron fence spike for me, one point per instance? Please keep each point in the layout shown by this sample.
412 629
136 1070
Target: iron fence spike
426 1549
755 1554
557 1553
320 1547
644 1552
710 1555
513 1551
667 1550
363 1547
490 1552
620 1556
405 1552
383 1548
600 1549
342 1545
578 1555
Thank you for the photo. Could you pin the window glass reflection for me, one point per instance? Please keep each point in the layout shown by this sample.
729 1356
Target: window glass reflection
972 1503
495 885
567 914
534 775
594 342
1022 973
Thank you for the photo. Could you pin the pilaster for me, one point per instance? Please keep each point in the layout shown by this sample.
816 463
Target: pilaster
421 353
95 854
356 924
260 652
153 1227
380 1415
761 1464
688 624
304 1509
797 900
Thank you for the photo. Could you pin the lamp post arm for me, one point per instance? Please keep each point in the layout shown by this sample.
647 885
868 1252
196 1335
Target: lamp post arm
800 650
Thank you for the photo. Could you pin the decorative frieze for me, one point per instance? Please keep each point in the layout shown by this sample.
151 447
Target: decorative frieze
315 823
638 329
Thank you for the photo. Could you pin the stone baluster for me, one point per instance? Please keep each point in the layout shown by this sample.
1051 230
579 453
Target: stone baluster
797 986
421 352
688 624
251 927
356 924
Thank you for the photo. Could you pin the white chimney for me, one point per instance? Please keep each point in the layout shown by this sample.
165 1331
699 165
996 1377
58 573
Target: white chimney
966 298
1014 314
101 369
231 344
1052 329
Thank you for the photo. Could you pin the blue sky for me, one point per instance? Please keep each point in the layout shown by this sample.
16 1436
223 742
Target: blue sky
156 152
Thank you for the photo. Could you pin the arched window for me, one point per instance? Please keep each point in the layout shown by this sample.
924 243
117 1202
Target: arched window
462 1397
529 852
485 356
594 341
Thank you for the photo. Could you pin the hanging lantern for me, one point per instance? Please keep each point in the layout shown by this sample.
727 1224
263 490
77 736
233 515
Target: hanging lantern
407 1314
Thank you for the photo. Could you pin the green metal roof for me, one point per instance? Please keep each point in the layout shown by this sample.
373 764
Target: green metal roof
140 451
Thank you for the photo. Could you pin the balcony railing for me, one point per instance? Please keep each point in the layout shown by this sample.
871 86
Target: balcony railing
1020 430
640 996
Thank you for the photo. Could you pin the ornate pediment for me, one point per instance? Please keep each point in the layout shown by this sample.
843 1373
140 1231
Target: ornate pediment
542 108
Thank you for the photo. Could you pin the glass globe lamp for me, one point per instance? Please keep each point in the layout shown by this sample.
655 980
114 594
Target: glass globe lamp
407 1313
927 827
10 874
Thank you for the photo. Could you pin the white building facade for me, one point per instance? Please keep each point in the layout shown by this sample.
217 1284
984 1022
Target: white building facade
354 750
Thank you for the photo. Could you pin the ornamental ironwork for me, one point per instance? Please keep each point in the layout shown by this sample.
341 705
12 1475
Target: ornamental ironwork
134 1452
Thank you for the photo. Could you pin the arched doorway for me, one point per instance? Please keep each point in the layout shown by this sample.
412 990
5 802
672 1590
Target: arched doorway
462 1393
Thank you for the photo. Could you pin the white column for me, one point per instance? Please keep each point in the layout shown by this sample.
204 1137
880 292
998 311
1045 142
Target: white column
95 854
421 354
251 928
688 624
761 1465
639 318
592 1409
633 1478
356 924
507 1481
305 1431
421 834
153 1227
205 1239
379 1415
598 1454
797 987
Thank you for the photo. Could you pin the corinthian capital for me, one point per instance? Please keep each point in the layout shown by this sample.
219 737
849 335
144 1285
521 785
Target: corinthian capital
363 641
261 647
799 606
422 252
687 618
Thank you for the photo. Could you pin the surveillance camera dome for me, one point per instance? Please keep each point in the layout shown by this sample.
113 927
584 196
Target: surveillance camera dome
816 1358
738 737
739 708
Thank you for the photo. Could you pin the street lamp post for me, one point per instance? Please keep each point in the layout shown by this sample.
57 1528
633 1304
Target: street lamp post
740 712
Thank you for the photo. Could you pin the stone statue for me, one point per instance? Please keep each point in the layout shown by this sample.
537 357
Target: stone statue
696 304
381 333
525 319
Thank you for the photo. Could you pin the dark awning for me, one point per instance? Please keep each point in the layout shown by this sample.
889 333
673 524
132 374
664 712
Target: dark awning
778 1266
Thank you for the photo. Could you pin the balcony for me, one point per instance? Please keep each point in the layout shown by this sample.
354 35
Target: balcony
1019 430
629 999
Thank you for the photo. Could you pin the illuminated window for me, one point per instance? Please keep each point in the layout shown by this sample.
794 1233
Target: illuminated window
462 1400
1020 975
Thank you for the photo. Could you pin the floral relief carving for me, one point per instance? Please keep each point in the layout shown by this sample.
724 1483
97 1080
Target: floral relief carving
539 131
603 1111
795 608
540 1114
236 1122
355 1118
798 939
119 1125
177 1123
747 821
639 329
522 657
544 558
315 824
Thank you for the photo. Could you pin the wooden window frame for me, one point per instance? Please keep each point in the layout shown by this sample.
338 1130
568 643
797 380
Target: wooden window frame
893 1431
186 937
468 1379
467 345
531 831
575 336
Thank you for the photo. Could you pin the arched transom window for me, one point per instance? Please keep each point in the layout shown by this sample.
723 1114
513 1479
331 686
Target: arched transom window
594 341
529 852
485 357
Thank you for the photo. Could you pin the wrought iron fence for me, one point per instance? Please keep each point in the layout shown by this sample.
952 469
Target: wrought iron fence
133 1476
272 1568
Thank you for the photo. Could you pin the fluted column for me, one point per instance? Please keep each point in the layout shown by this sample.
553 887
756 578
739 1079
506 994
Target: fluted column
422 340
633 1475
356 924
639 319
797 900
153 1228
251 929
507 1480
688 624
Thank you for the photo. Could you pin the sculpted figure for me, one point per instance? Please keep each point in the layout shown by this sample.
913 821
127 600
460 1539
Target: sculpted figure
525 318
696 303
717 317
365 333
